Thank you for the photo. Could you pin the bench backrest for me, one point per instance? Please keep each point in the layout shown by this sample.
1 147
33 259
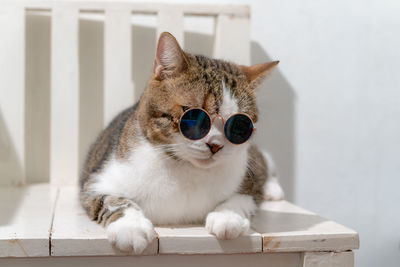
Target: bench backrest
20 160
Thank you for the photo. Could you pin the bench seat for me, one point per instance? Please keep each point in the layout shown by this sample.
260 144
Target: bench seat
42 221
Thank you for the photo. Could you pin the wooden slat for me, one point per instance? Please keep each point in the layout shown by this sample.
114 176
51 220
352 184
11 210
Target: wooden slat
192 239
328 259
64 120
288 228
37 98
284 227
232 38
118 86
25 220
138 7
74 234
26 215
220 260
12 95
170 19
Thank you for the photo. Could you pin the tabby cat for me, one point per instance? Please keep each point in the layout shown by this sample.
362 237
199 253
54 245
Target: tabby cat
142 170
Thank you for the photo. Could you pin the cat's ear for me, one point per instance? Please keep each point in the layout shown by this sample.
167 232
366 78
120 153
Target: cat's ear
258 72
170 58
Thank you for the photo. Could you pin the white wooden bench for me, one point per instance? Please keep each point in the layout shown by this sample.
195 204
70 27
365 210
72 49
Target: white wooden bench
43 224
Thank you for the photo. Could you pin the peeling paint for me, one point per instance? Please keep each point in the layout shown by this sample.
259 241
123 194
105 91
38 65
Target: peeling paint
276 245
267 240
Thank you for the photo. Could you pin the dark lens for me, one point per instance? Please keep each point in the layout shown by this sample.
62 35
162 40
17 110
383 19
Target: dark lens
195 124
238 129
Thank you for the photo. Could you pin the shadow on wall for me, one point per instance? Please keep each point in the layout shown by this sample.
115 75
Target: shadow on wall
276 98
10 174
11 170
276 102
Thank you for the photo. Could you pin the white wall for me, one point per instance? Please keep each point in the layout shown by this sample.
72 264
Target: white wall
340 61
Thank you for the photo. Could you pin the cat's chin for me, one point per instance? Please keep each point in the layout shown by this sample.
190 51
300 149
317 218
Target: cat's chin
204 163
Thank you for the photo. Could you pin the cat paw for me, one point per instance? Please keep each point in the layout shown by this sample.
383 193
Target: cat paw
273 191
226 224
133 232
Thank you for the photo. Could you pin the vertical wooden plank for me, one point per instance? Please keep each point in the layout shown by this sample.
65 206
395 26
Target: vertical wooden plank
118 85
12 95
91 81
37 98
64 118
328 259
232 38
170 19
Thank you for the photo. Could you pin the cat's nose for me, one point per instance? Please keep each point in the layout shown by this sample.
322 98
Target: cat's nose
214 148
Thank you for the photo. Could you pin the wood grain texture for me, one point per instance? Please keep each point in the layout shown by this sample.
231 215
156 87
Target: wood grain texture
196 240
286 228
25 220
328 259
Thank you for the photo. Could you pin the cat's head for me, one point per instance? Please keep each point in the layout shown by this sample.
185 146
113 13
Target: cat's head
182 81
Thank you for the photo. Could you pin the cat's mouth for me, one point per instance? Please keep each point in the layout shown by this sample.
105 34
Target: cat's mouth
204 162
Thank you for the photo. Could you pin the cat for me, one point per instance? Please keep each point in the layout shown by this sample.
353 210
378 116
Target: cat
141 170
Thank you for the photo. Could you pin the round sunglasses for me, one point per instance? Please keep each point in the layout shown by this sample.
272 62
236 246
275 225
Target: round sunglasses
196 123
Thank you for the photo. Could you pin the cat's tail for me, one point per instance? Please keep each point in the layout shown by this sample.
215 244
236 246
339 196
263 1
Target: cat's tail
272 188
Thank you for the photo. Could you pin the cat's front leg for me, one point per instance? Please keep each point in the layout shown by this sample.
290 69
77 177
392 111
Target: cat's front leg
127 227
231 218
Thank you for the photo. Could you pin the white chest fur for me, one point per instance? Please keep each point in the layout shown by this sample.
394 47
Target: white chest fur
168 191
